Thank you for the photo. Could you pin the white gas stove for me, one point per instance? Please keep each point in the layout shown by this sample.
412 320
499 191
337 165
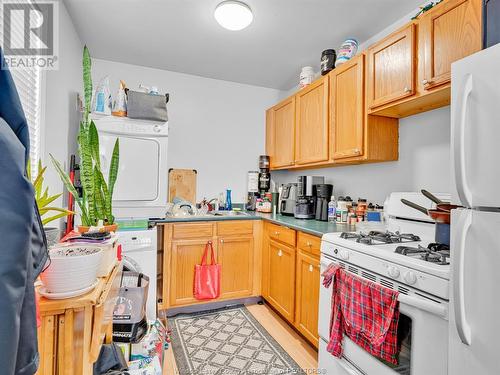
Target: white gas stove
403 257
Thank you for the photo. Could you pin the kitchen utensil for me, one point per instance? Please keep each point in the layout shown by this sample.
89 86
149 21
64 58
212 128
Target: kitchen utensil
324 193
264 161
431 196
288 199
438 216
440 205
442 219
182 184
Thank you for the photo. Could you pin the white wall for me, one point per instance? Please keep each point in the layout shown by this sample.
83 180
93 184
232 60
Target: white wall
215 127
424 162
61 119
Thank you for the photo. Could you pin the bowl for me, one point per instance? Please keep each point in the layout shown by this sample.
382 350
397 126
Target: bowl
71 268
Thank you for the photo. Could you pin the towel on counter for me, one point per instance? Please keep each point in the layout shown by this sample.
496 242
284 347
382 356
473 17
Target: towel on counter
366 312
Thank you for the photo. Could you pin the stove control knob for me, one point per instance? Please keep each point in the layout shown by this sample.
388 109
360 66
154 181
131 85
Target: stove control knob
410 277
393 272
157 128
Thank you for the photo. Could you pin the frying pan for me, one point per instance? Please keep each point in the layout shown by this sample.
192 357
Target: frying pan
439 216
440 205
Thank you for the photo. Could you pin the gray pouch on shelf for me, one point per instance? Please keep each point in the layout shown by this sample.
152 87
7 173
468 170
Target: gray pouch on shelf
147 106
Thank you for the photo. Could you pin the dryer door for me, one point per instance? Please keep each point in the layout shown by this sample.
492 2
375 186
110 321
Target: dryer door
138 176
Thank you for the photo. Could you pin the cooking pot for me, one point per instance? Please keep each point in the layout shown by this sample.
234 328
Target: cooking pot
442 219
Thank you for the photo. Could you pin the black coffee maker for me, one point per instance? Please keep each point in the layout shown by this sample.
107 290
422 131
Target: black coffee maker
323 196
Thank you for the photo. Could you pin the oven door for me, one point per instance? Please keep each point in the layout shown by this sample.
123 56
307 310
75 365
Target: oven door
423 327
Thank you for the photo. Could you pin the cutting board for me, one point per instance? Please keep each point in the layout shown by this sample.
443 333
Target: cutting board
182 184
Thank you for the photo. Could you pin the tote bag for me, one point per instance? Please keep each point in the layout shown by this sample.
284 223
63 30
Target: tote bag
207 276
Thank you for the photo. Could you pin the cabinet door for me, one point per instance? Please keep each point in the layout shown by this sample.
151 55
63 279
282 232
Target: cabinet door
282 279
185 255
448 32
311 136
270 135
391 68
284 133
235 255
307 296
347 109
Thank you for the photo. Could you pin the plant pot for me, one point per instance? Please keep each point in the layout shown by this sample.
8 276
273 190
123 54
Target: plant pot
106 228
71 268
53 235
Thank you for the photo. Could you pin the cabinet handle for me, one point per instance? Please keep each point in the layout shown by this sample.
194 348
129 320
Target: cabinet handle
311 268
407 89
276 233
426 82
280 253
309 244
221 240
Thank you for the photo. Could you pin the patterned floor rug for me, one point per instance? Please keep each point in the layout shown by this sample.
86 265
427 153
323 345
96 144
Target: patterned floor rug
227 342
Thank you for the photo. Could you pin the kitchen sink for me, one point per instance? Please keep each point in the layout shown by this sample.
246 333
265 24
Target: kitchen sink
227 213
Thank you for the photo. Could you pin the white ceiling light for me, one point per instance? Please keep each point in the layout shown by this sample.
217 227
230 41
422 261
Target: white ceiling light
233 15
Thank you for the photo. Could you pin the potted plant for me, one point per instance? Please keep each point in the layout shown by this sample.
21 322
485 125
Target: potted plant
43 200
96 201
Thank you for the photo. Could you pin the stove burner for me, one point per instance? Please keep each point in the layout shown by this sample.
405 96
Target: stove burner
435 253
377 237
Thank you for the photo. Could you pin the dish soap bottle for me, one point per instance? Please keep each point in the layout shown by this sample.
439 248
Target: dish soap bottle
332 208
229 205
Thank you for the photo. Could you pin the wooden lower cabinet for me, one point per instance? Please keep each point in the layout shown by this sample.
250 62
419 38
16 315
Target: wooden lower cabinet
291 278
186 254
282 278
307 296
235 254
235 249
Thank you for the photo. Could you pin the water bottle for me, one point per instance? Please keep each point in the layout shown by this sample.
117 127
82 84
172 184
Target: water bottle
229 205
332 208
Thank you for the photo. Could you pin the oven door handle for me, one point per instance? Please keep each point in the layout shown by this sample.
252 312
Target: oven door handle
422 304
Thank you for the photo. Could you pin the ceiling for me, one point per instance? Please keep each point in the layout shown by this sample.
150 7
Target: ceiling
183 36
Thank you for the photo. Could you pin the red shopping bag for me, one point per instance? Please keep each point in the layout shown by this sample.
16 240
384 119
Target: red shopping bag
207 276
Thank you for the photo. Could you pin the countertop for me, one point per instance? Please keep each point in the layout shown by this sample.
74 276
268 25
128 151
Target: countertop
314 227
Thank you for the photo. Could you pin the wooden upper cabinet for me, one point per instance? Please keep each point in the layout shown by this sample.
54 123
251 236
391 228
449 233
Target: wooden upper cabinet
283 142
447 33
347 109
311 135
391 68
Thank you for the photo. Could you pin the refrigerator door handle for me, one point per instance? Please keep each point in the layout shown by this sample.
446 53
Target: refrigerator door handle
463 189
463 327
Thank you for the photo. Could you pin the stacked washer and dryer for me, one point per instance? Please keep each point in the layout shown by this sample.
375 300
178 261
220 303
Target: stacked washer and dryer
140 190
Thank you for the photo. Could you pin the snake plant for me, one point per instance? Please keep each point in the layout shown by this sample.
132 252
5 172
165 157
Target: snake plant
96 201
42 197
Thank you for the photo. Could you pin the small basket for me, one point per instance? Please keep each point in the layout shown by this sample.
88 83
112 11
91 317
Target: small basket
129 315
144 106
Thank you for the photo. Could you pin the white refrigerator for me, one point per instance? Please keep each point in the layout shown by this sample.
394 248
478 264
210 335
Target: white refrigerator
474 334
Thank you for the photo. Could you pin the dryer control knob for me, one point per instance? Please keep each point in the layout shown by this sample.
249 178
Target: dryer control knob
393 272
157 128
344 254
410 277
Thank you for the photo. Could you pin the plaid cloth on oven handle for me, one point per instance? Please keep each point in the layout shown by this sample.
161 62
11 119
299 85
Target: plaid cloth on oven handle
366 312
